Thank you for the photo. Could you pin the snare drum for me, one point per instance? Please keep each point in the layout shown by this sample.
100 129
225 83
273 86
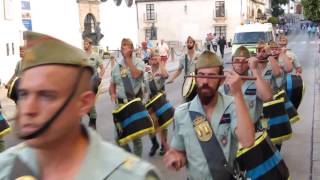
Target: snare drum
132 121
279 127
290 109
294 87
163 110
262 161
12 90
4 126
189 88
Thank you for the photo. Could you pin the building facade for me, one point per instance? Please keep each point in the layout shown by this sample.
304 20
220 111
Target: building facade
10 37
174 20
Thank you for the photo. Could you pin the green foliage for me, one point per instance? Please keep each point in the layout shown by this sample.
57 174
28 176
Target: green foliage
276 7
311 9
273 20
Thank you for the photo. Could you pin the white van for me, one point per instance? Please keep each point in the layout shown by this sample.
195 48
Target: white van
249 35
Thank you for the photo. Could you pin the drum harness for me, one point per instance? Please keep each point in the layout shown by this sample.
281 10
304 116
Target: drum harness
218 166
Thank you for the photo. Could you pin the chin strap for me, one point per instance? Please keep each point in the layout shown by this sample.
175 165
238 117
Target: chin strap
55 115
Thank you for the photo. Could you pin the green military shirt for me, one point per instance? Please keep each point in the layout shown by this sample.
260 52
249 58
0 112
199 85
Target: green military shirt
185 139
101 160
95 61
116 77
191 63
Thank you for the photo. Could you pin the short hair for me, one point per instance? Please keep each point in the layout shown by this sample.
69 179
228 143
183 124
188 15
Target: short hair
128 41
190 38
88 40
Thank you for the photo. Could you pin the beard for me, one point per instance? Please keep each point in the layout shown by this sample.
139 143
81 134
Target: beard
206 94
190 47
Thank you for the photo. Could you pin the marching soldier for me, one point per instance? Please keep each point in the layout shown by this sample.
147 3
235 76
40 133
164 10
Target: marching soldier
208 129
132 68
254 92
297 69
156 73
188 61
96 62
57 145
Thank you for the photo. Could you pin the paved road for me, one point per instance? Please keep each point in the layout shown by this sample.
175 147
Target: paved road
296 152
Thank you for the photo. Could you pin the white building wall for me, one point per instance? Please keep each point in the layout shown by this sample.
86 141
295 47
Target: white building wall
175 24
10 32
58 18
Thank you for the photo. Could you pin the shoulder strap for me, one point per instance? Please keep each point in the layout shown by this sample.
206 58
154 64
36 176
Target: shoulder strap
185 64
218 165
153 87
128 88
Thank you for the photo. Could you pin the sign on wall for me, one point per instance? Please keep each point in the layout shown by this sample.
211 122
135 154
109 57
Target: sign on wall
26 14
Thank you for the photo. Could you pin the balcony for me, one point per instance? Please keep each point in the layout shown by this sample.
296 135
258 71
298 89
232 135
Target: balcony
150 17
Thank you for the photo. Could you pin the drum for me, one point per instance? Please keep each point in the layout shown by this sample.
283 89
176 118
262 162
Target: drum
279 127
262 160
294 87
4 126
164 111
132 121
12 90
290 109
189 88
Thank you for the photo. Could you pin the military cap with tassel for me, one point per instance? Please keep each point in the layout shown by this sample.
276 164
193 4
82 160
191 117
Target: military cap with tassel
41 49
208 59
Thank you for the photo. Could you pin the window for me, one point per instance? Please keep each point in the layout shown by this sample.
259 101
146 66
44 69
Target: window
12 48
8 49
151 33
89 23
150 14
220 30
250 37
220 11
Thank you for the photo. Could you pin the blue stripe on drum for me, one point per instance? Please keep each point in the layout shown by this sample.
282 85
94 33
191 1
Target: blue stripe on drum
1 117
278 120
265 167
289 85
163 109
288 104
134 118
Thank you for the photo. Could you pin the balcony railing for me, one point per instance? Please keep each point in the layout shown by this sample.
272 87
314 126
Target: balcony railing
150 17
219 17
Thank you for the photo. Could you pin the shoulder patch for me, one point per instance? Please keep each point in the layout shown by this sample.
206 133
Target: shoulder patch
225 119
130 162
251 91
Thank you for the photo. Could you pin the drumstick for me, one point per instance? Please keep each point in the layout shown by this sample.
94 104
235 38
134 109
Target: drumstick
259 61
221 77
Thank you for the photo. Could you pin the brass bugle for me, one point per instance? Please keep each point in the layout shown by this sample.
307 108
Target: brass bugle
259 61
221 77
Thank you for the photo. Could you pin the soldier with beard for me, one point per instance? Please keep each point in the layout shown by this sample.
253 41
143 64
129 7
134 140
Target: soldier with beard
211 125
188 61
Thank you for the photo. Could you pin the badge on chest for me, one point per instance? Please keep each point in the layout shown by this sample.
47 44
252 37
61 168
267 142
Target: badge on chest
202 129
123 72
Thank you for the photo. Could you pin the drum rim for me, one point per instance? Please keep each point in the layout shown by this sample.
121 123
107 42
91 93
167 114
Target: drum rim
278 94
281 138
11 85
5 132
281 100
262 137
193 84
153 99
125 105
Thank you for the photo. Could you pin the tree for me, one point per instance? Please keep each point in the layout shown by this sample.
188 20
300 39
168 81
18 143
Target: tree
276 7
311 9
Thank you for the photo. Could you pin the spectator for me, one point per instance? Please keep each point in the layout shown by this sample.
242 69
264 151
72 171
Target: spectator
222 44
